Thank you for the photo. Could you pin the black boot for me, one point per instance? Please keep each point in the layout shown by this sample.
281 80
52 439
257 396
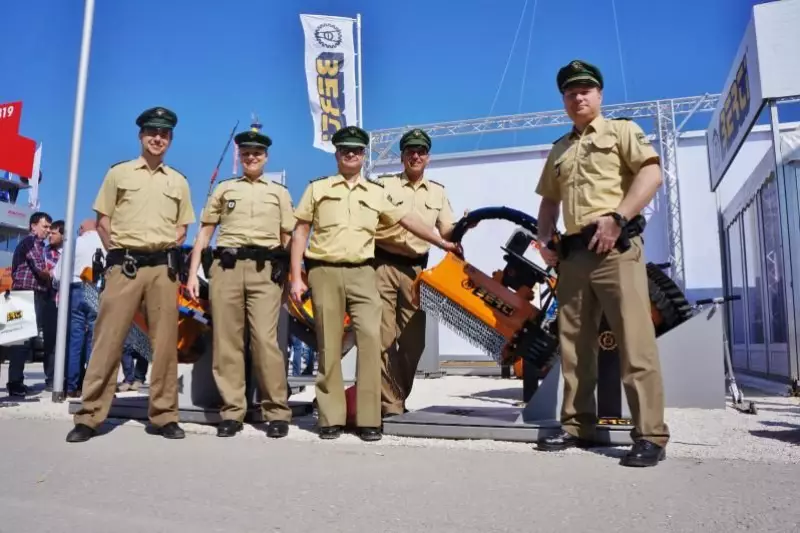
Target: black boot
561 441
80 433
170 431
644 453
330 432
370 434
229 428
277 429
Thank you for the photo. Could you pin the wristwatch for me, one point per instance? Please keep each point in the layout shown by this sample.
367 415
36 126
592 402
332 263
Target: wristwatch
619 219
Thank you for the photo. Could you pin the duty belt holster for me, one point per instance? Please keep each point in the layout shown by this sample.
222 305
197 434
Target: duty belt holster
206 260
277 257
131 261
565 245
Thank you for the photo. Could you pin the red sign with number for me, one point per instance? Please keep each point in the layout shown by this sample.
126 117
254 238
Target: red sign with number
16 151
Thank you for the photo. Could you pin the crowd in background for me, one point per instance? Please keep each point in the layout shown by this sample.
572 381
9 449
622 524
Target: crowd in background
36 266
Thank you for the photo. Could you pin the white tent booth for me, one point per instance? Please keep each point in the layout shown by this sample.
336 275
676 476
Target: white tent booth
760 224
753 226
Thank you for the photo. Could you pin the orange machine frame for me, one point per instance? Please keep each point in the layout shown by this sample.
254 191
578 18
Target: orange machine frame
481 295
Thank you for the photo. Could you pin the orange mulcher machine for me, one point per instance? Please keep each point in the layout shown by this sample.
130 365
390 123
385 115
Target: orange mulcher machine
497 314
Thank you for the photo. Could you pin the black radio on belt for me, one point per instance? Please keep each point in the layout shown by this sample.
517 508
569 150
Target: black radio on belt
227 258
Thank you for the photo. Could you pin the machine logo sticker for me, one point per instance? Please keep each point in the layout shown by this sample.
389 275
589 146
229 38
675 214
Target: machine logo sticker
467 284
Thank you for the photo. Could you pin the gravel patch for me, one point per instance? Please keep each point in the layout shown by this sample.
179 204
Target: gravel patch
771 436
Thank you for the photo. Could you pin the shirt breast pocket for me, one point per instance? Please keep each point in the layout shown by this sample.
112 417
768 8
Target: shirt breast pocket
603 154
330 211
562 168
128 191
367 214
433 205
268 208
232 206
171 199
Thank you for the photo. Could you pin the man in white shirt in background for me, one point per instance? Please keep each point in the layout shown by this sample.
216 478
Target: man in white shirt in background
81 315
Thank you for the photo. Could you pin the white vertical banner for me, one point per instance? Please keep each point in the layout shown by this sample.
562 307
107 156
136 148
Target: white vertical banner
33 193
330 65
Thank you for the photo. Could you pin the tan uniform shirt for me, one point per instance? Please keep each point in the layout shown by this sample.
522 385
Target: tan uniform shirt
344 218
428 198
249 213
145 207
590 173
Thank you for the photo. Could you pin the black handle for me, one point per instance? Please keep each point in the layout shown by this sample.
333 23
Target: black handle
494 213
718 299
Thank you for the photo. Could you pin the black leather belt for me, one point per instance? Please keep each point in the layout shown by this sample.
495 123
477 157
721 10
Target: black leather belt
251 252
401 260
580 241
313 263
142 259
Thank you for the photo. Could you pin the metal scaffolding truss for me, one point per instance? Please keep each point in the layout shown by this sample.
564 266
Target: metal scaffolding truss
664 112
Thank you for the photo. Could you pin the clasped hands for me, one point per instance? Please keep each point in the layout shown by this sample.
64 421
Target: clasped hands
604 239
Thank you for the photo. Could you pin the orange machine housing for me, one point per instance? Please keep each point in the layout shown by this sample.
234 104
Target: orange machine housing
479 296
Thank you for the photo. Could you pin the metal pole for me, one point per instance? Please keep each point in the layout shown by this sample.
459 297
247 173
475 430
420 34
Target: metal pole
68 249
360 75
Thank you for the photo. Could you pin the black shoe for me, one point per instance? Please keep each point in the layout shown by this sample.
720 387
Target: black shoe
171 431
370 434
277 429
330 432
561 441
17 389
80 433
229 428
644 453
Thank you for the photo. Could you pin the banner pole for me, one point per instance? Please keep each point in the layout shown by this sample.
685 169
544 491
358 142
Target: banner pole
360 75
66 260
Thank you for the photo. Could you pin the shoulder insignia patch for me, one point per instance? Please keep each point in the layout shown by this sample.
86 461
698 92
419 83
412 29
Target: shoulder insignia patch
437 183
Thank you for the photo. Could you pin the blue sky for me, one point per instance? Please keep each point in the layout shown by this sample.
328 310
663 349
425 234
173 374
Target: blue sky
424 61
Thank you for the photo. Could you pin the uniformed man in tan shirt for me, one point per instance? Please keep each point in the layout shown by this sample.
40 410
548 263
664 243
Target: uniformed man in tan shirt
399 257
344 211
602 174
255 220
143 209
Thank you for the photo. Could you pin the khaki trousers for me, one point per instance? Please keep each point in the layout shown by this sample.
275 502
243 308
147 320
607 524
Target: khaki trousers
616 285
243 295
119 301
402 335
334 291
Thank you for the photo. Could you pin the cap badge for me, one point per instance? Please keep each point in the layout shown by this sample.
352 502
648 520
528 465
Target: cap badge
577 65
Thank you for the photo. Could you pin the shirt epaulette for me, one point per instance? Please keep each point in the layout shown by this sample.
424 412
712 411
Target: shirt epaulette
120 162
179 173
563 136
378 183
390 175
622 118
280 184
437 183
318 179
